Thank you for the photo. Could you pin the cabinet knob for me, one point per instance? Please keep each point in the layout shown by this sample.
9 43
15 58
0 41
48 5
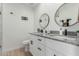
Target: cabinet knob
31 42
39 40
39 49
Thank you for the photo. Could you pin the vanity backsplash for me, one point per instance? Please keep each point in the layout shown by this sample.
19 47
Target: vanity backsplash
70 33
54 32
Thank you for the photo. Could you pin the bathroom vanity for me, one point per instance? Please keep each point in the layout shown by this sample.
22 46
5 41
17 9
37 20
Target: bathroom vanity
46 45
43 44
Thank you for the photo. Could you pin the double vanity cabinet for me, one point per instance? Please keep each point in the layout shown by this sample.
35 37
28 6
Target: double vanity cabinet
43 45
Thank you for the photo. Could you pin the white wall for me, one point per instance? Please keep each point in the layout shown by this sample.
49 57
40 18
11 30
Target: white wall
14 29
50 9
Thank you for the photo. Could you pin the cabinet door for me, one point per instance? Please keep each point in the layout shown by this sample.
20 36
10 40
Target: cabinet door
49 52
33 44
50 43
58 53
41 49
53 45
38 50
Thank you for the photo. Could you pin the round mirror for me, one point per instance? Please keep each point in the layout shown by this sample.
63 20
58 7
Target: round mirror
44 20
67 14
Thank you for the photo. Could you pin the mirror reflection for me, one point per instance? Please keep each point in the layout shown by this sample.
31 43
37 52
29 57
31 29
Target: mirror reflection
67 14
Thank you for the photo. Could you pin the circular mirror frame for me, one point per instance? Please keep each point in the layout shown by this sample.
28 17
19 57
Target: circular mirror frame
47 23
56 16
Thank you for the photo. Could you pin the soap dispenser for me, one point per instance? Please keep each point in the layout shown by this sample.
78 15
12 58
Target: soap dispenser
61 31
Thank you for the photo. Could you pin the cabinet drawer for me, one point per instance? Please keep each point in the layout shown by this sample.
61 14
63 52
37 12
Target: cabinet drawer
50 43
57 53
41 40
41 50
49 52
34 51
37 50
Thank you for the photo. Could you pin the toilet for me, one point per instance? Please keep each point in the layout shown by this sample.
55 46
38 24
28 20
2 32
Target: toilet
26 45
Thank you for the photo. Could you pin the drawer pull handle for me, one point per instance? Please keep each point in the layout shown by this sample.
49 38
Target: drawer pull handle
39 40
54 54
39 49
31 42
